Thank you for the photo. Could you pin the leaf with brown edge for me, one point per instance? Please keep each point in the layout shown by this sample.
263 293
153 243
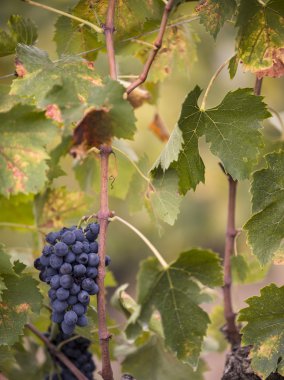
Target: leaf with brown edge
277 68
110 116
24 133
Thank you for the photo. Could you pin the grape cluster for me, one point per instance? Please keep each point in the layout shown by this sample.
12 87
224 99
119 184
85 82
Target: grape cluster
69 264
77 352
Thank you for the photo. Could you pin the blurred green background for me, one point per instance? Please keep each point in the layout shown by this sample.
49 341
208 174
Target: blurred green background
202 219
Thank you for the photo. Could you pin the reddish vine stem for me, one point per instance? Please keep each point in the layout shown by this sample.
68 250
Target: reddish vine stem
232 331
55 352
157 45
104 214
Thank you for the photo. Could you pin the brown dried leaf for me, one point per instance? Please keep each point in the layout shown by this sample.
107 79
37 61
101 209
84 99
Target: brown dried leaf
158 127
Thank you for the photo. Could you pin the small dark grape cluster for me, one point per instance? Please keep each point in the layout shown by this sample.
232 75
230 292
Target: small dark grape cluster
77 352
69 264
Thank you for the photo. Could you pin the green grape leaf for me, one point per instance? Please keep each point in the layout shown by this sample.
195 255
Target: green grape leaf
214 13
231 129
161 364
176 293
21 297
240 267
56 154
72 37
21 30
17 209
264 330
5 264
261 34
233 66
266 227
165 199
24 133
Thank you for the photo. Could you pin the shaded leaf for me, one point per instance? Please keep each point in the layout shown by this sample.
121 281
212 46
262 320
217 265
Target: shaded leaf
176 294
233 66
214 13
161 364
21 30
260 35
266 227
264 330
231 129
21 297
24 133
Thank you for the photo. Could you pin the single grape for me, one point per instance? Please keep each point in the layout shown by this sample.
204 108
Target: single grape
55 261
52 294
87 284
51 237
79 270
70 257
55 281
94 289
59 306
79 235
79 309
82 321
61 249
91 272
83 297
90 236
47 250
83 258
86 247
107 261
94 247
70 318
93 259
68 237
67 329
77 247
95 228
37 264
72 300
57 317
75 289
62 294
66 268
66 281
44 260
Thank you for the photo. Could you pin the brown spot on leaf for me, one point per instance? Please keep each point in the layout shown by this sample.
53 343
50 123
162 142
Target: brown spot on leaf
276 70
94 130
20 69
22 308
53 112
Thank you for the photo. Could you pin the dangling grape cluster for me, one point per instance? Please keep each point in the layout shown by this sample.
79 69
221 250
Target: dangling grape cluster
69 265
77 352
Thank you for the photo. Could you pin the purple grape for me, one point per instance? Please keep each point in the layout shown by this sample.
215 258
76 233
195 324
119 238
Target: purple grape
95 228
83 258
90 236
59 306
61 249
51 237
57 317
79 270
82 321
55 261
94 247
62 294
87 284
70 318
79 309
37 264
67 329
93 259
86 247
44 260
66 268
72 300
55 281
47 250
75 289
84 297
79 235
52 294
92 272
68 237
66 281
77 248
107 261
70 257
94 289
